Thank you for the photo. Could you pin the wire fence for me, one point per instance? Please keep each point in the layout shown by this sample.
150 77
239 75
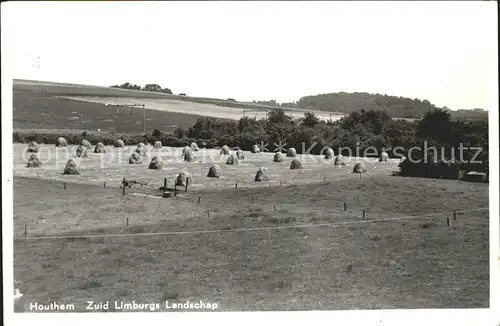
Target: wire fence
449 217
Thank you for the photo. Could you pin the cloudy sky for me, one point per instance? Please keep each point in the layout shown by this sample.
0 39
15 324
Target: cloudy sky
445 52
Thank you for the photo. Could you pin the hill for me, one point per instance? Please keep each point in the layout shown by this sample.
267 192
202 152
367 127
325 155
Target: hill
395 106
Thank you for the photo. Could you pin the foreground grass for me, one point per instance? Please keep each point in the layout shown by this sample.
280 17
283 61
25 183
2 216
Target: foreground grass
415 263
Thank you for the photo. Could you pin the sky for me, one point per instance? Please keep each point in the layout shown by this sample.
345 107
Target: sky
445 52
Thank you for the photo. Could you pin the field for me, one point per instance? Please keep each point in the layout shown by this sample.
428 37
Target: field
42 111
46 105
287 244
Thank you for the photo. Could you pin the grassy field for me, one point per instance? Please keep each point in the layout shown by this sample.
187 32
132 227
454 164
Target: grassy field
54 100
284 264
41 111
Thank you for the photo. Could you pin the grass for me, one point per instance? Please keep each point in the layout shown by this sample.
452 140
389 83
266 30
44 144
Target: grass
377 265
46 105
41 111
413 263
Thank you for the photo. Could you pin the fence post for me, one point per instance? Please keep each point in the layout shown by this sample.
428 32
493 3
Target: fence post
448 221
199 198
454 215
165 184
363 213
26 230
127 220
208 213
104 184
345 206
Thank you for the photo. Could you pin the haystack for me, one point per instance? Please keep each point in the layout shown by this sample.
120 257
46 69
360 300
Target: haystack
135 158
185 150
141 149
184 178
240 154
189 156
33 147
232 159
225 150
34 161
255 149
262 175
359 167
81 151
291 152
156 163
119 143
99 148
71 167
61 142
339 160
329 154
87 144
383 157
194 147
214 171
157 145
278 157
296 164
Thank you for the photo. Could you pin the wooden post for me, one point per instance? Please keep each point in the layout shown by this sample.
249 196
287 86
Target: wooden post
363 213
165 184
345 206
208 213
127 220
448 221
104 184
199 198
25 230
454 215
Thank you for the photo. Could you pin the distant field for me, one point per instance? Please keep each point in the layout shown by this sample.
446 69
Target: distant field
45 105
41 111
201 109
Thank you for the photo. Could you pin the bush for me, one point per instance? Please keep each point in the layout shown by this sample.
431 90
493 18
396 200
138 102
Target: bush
156 133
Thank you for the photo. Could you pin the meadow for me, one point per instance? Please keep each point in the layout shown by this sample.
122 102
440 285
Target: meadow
41 111
44 105
286 244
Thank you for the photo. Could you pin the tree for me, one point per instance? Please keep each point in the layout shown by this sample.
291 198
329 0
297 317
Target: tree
435 125
310 120
179 132
156 133
153 88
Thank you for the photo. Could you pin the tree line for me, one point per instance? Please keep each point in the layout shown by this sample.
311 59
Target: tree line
147 87
395 106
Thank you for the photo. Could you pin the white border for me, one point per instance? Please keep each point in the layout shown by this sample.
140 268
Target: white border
353 317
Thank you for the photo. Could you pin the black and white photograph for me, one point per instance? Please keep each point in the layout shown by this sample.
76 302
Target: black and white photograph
267 156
